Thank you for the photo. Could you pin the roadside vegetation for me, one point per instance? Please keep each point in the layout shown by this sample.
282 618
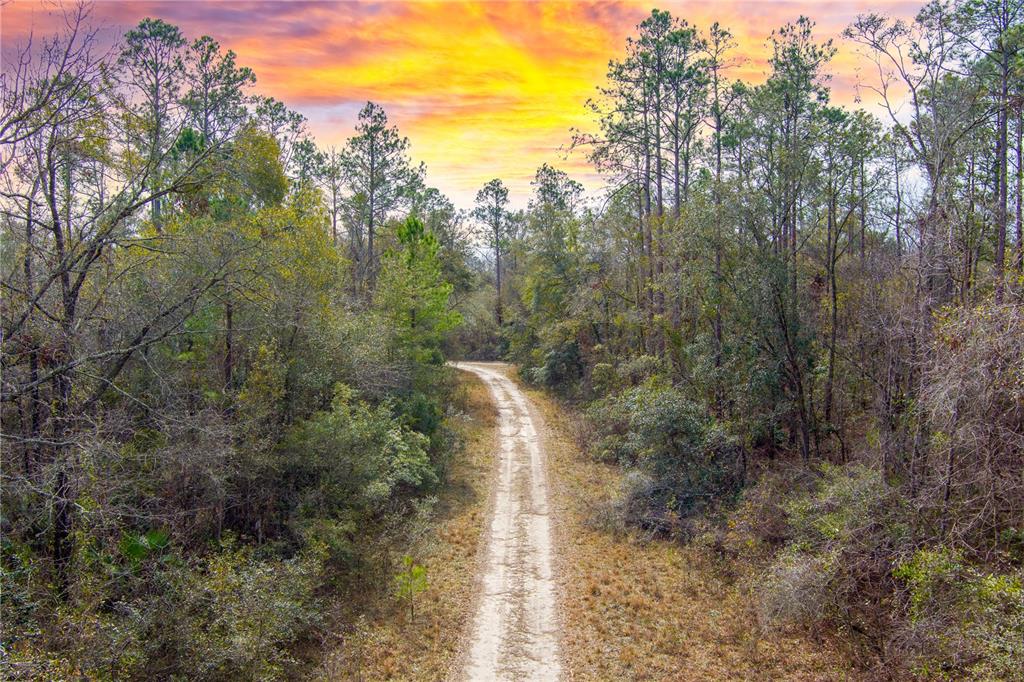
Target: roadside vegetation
640 606
224 396
793 335
379 640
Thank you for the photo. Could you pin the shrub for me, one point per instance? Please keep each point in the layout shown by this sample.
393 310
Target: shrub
689 463
637 370
759 520
603 378
962 621
409 582
973 398
560 368
236 614
353 458
844 537
796 589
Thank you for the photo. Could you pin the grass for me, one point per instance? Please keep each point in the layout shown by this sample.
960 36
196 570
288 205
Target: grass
383 644
641 609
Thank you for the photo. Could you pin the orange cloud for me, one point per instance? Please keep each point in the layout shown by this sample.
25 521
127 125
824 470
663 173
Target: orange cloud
482 89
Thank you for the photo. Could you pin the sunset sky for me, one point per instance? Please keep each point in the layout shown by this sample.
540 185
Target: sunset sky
482 89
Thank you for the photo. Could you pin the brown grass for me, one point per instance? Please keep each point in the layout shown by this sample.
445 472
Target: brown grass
383 644
657 610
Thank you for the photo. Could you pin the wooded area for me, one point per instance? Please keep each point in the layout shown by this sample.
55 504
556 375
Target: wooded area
223 391
797 327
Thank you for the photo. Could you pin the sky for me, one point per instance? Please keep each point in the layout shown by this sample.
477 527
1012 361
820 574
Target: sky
481 89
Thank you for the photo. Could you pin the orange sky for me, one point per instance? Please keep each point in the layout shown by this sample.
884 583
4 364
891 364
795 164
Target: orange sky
482 89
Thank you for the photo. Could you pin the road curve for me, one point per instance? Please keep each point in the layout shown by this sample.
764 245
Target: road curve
513 635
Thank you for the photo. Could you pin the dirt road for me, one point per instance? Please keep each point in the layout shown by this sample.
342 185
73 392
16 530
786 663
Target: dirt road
513 635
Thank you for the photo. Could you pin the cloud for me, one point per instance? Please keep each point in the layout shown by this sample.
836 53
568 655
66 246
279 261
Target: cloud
482 89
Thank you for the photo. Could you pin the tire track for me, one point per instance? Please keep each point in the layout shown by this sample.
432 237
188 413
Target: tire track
513 635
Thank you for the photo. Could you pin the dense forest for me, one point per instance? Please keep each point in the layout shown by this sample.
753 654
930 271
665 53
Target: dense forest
795 327
223 385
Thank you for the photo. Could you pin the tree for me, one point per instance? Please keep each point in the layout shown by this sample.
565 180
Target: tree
993 29
490 211
923 58
287 127
721 99
413 294
331 179
41 87
216 99
176 355
83 175
152 63
553 242
554 190
410 582
448 225
381 179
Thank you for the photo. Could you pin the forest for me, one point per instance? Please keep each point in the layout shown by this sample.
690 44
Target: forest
793 330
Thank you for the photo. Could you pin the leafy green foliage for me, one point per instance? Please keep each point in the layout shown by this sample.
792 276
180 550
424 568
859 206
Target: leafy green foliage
242 611
690 465
409 582
413 294
958 612
220 385
136 548
352 458
841 535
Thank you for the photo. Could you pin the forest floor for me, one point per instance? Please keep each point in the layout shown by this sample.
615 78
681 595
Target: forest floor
627 607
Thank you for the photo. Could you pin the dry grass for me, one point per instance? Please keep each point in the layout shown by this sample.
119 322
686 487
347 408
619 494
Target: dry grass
383 645
656 610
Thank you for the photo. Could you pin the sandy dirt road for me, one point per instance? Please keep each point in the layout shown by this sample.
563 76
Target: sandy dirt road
513 634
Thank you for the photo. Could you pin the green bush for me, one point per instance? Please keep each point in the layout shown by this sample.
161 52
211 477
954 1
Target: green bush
603 378
962 621
234 614
353 458
639 369
688 463
560 369
852 560
240 612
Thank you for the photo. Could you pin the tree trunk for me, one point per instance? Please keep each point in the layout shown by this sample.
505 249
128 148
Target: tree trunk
1019 260
229 359
62 521
33 416
648 237
832 238
368 261
899 205
863 212
1003 176
719 397
497 276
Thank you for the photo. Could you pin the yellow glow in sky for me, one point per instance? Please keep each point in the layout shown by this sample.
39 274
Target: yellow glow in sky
482 89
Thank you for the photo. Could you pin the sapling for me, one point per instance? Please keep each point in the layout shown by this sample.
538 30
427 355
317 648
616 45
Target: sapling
409 582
